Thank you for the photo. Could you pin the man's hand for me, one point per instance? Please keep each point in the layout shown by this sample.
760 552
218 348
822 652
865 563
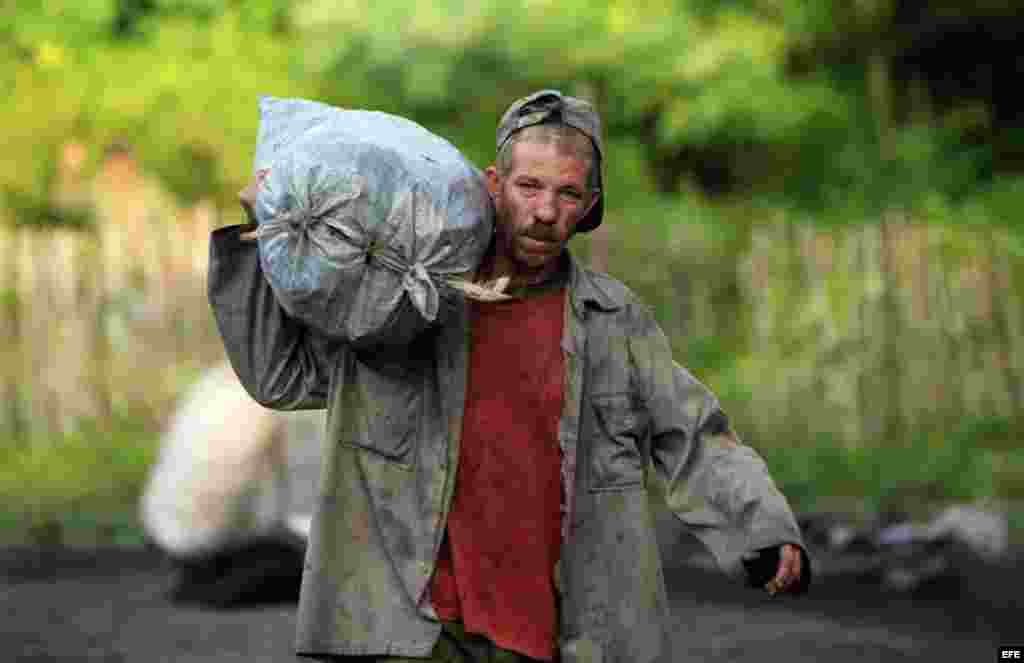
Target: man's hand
787 576
247 198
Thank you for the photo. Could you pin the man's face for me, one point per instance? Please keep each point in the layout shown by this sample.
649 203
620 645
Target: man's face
538 203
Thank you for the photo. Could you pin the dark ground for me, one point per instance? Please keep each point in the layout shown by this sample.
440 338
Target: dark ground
65 606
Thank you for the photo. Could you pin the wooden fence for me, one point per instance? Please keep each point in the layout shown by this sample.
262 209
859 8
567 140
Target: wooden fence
866 333
863 332
108 321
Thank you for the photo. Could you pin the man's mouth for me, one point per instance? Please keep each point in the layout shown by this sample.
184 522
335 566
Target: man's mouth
532 245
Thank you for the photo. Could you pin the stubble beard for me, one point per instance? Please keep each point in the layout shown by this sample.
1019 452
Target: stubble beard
526 266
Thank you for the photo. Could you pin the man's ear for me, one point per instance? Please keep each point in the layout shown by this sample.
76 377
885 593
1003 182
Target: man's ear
493 181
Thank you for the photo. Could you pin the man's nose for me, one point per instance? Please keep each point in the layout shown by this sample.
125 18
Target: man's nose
546 210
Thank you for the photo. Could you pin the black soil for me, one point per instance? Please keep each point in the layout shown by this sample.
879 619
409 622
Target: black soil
63 606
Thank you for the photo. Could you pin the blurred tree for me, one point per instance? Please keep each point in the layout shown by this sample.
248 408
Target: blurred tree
129 16
199 176
742 98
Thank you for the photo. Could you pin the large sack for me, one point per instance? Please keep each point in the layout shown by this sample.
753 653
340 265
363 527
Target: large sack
230 471
366 220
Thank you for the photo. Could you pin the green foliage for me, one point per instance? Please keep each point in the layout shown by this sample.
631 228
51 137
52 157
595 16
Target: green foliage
31 205
927 469
33 211
130 14
687 81
989 433
46 26
197 174
83 483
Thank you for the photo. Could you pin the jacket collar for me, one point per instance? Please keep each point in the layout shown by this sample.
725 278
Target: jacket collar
587 288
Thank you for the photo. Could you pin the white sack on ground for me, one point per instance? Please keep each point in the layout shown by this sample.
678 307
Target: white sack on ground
230 470
365 219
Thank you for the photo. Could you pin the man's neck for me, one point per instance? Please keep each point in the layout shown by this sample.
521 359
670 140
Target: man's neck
495 266
525 284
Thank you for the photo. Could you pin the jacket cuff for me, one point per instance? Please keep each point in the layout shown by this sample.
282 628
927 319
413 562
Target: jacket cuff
228 239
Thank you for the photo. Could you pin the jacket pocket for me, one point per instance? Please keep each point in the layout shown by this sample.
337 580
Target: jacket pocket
616 462
384 408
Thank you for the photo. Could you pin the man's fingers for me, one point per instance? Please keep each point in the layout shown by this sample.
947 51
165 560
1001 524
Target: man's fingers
790 559
788 572
798 570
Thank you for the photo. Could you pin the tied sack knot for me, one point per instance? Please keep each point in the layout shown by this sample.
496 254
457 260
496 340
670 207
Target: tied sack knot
319 205
421 289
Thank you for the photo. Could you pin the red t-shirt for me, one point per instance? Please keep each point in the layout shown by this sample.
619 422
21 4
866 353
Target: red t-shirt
495 568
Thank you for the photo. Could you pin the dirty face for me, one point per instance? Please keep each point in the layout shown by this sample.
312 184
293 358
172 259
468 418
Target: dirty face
538 204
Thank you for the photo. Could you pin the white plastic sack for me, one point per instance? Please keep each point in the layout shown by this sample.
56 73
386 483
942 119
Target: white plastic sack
365 219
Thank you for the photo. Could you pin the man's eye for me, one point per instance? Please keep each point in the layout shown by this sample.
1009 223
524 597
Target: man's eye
571 194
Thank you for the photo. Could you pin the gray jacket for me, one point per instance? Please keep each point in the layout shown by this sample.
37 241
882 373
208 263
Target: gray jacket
633 423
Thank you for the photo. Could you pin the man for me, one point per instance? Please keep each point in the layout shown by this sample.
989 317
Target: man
485 491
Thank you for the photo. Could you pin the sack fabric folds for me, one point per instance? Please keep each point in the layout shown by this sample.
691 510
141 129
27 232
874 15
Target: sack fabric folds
365 220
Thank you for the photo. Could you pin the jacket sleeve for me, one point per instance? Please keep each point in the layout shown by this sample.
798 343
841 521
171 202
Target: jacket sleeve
716 485
281 363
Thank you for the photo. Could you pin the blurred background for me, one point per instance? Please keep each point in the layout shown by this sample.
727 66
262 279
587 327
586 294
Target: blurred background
819 198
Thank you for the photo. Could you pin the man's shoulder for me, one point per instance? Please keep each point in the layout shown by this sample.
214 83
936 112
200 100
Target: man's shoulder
604 291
